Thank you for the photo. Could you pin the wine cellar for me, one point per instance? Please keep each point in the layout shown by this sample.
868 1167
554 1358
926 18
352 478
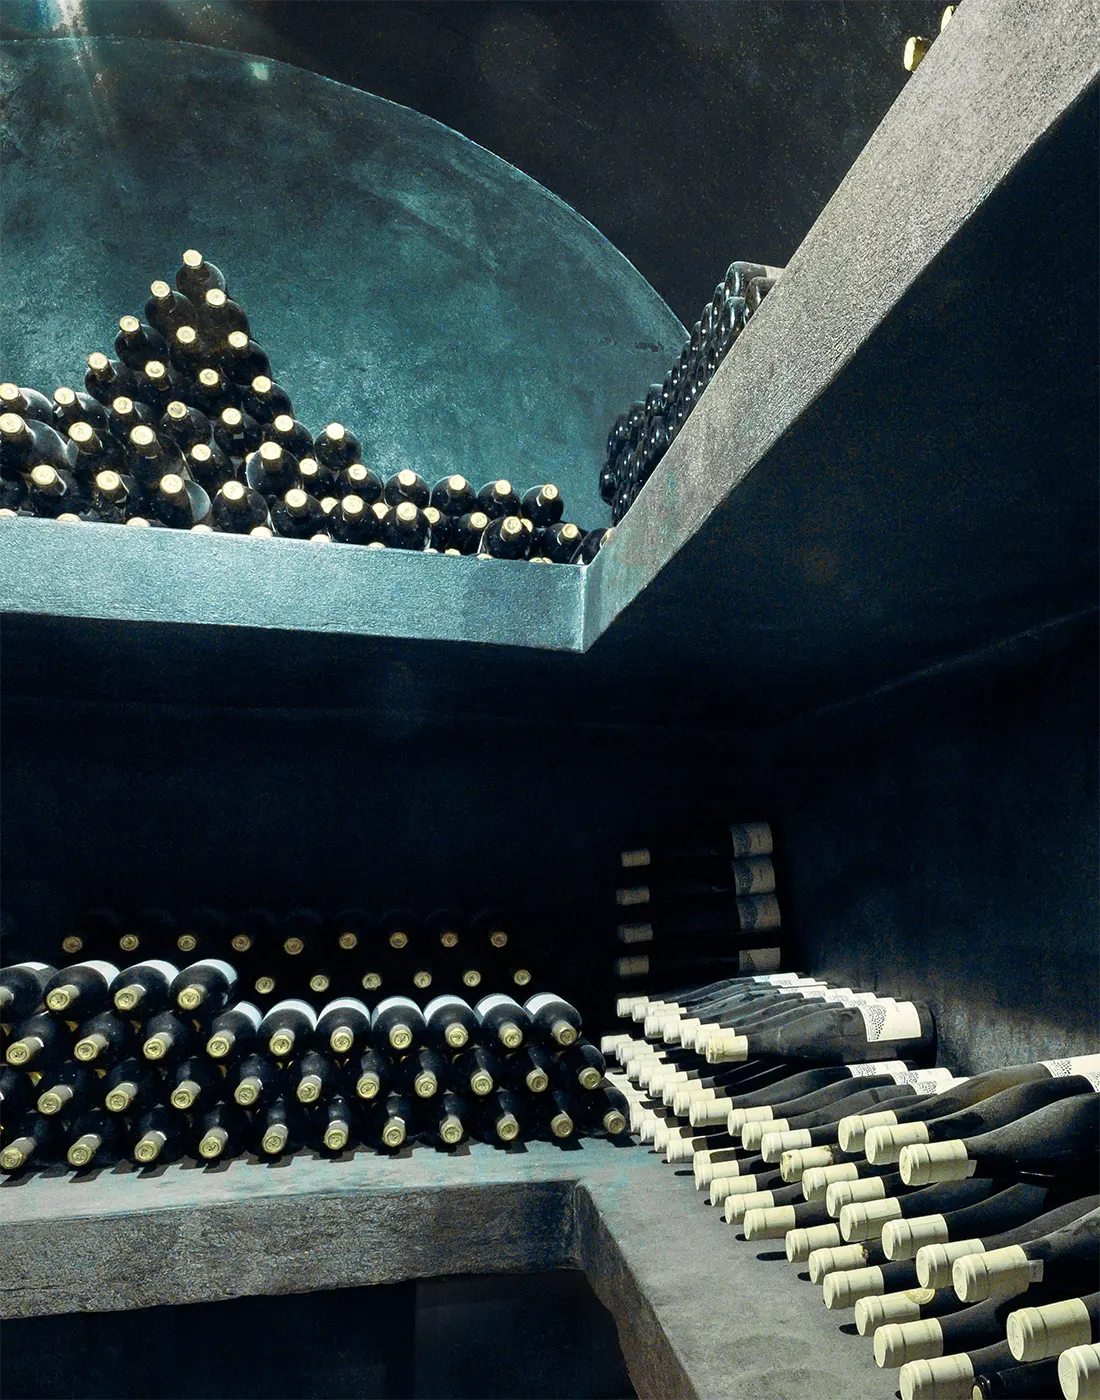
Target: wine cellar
670 971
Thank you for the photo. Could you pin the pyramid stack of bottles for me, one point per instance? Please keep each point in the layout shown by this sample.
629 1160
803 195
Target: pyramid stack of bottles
185 428
696 906
640 437
954 1219
152 1062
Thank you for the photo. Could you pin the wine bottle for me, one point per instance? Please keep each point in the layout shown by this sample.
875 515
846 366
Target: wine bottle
467 531
290 435
475 1071
503 1021
904 1238
343 1025
70 408
265 400
1066 1257
389 1123
196 276
130 1086
238 509
234 1031
1031 1381
336 448
501 1118
167 309
951 1376
52 492
505 538
168 1038
206 986
581 1067
33 1136
27 403
22 987
312 1077
288 1028
530 1070
95 1138
271 471
372 1075
253 1081
405 527
243 360
184 425
137 343
908 1123
558 543
542 505
124 414
282 1126
194 1081
235 433
26 443
211 468
1038 1332
38 1041
318 481
82 988
221 1132
421 1073
807 1131
177 503
157 382
497 499
298 516
450 1022
16 1093
453 496
159 1137
559 1112
397 1024
836 1034
1059 1139
67 1089
148 457
350 522
1079 1372
591 545
116 499
605 1109
106 380
445 1120
337 1122
103 1039
406 486
553 1021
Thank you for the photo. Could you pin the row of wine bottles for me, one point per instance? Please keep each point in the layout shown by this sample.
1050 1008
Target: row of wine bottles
927 1202
698 901
186 429
332 1124
640 437
309 954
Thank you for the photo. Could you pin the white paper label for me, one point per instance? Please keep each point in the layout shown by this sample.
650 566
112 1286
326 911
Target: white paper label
877 1067
166 969
490 1003
779 979
1034 1271
1088 1065
635 933
885 1021
252 1013
632 967
106 970
757 912
755 876
750 839
402 1002
293 1004
927 1081
32 966
226 969
436 1004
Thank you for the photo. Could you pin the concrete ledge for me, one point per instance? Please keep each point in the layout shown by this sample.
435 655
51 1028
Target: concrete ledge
698 1313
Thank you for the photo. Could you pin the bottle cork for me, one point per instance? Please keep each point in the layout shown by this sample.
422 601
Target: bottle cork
902 1238
834 1259
899 1342
863 1220
801 1242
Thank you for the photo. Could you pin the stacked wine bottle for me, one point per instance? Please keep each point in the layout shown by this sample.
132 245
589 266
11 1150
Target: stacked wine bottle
152 1062
958 1217
640 437
186 428
694 907
309 954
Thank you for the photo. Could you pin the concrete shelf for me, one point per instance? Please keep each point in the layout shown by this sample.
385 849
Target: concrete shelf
699 1312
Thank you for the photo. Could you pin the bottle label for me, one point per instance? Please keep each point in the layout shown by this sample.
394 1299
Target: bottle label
639 894
533 1005
166 969
32 966
758 959
345 1004
250 1012
779 979
632 860
106 970
898 1020
758 912
293 1004
891 1067
632 967
926 1081
635 933
1087 1065
1034 1271
404 1003
441 1002
844 996
750 839
756 876
490 1003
